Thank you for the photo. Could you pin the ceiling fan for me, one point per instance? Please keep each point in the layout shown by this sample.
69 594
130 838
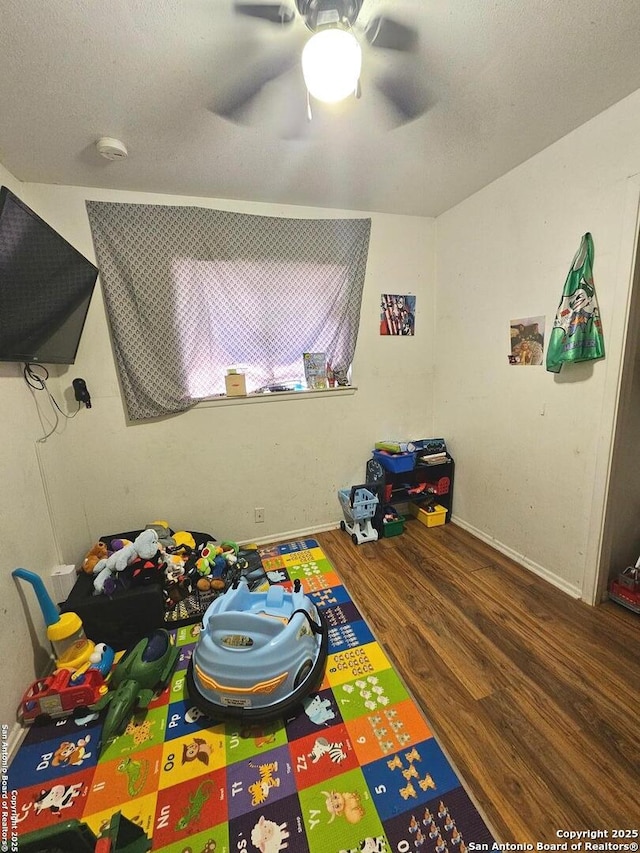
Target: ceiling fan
331 58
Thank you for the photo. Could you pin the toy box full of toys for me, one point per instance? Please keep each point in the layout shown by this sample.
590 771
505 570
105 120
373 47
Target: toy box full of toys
134 582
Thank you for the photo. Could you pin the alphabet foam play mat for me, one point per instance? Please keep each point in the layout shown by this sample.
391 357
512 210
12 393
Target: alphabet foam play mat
355 767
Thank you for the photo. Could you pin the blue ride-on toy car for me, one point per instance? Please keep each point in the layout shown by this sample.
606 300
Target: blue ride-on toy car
259 654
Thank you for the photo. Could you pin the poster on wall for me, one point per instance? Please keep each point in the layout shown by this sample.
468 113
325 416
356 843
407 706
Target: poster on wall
527 341
397 314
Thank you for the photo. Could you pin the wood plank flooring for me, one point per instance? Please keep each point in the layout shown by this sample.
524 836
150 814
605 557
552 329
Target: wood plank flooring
534 697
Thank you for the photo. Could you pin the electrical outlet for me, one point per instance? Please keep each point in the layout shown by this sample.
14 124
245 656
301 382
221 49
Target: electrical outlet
258 514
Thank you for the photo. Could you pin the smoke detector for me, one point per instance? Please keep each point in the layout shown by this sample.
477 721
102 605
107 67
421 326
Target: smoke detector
111 149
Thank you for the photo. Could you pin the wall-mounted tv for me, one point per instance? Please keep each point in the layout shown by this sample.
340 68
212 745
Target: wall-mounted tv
45 288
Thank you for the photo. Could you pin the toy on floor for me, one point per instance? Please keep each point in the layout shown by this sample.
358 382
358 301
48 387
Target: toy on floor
358 507
74 836
259 654
60 695
64 630
625 589
140 674
102 659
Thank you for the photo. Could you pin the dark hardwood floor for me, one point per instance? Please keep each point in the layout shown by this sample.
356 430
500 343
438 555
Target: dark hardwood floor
534 696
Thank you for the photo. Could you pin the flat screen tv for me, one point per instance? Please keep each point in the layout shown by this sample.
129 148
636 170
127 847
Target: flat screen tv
45 288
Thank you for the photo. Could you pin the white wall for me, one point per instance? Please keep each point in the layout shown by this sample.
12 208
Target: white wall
208 468
27 538
532 448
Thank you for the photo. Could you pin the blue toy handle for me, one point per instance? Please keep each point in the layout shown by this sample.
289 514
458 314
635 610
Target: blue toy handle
49 609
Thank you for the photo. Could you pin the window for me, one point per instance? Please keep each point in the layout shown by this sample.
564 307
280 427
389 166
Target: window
242 322
191 292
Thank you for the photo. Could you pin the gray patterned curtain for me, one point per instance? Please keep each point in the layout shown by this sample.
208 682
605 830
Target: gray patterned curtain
191 291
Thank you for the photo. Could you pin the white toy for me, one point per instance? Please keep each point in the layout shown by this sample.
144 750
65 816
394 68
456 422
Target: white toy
144 546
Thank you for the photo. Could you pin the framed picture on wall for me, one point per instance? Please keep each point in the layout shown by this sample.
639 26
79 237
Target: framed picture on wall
397 314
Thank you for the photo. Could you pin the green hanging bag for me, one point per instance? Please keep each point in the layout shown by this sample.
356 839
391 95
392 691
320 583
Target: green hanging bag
577 331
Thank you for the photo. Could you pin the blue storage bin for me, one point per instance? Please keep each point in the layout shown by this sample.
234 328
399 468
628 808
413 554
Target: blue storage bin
395 462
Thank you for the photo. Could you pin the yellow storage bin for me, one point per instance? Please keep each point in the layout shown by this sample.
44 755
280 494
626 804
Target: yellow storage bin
429 519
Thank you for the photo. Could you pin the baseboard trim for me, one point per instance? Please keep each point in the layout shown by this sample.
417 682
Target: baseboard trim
290 535
559 583
14 738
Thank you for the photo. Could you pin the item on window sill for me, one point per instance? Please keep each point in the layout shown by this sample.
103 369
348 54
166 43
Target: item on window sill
281 388
315 370
341 375
236 384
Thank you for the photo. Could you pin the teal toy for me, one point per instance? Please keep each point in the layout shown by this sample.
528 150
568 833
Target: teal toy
141 674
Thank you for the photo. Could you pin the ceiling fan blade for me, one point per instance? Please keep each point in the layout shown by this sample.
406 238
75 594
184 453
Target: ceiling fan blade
232 103
406 96
276 13
390 34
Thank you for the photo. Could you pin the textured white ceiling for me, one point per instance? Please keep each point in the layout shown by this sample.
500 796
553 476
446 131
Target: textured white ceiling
503 80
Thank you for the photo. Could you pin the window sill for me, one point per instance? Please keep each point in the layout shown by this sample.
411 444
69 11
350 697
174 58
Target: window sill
275 396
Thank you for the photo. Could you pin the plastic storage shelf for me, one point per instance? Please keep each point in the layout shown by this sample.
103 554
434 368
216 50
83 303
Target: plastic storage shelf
422 484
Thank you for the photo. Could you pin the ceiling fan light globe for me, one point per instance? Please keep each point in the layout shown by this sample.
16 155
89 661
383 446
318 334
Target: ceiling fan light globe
331 65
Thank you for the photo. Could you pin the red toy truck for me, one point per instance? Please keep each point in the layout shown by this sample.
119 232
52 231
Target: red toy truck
58 695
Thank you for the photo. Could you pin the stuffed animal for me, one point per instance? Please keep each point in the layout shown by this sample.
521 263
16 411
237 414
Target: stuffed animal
165 538
210 560
144 572
94 555
207 584
183 537
143 547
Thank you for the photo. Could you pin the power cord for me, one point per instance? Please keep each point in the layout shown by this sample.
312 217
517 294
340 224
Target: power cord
36 375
